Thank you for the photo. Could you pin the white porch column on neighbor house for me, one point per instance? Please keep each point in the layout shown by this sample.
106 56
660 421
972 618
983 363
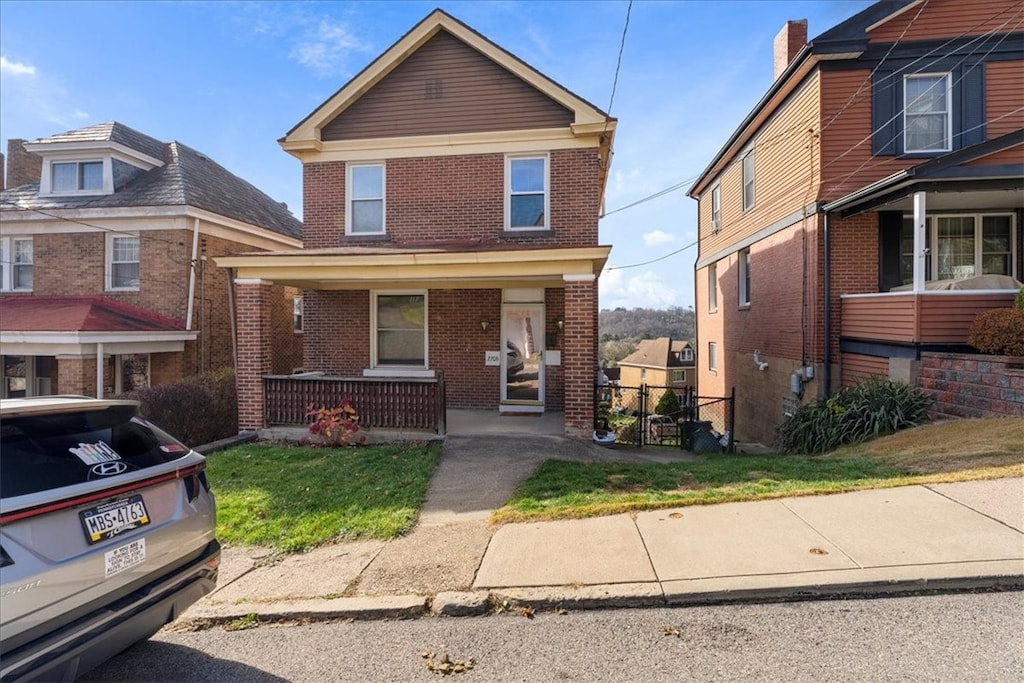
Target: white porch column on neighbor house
920 233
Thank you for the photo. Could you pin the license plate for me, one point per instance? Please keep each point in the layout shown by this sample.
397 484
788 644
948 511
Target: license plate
113 518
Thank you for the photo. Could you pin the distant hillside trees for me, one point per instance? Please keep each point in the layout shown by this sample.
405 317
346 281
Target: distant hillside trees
621 329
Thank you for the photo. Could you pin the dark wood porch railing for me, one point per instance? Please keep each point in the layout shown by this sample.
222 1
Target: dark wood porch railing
382 402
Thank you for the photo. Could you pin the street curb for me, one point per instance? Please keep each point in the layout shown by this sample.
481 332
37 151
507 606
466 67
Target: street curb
385 607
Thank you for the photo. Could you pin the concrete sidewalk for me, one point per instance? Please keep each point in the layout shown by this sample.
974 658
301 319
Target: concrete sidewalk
946 536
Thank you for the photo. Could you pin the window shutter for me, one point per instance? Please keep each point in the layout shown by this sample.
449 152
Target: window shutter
972 107
884 122
890 226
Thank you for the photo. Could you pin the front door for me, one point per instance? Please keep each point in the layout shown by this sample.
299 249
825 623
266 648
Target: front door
522 362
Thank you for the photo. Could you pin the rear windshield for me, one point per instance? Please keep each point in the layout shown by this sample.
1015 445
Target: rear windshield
43 452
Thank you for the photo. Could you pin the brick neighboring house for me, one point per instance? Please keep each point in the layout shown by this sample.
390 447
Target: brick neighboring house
866 209
105 235
661 362
451 202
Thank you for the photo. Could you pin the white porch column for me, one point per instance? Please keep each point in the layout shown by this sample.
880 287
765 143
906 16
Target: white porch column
99 370
920 233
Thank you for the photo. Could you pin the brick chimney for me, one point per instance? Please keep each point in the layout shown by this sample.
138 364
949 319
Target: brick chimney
788 42
23 167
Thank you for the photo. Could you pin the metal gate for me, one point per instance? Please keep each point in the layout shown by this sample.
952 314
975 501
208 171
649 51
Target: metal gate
642 417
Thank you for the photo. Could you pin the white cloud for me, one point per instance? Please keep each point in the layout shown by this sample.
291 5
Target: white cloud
326 48
16 69
658 237
646 290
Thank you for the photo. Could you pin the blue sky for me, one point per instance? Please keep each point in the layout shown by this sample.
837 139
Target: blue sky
230 78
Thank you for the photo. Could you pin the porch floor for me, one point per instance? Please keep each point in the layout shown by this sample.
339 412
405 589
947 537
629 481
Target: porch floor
470 422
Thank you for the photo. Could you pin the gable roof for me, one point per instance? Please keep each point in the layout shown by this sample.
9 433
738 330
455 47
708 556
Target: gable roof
662 352
81 314
185 177
306 134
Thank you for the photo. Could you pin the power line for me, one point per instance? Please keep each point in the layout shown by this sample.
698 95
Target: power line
618 63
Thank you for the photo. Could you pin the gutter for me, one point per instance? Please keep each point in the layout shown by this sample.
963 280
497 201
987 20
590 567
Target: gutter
826 359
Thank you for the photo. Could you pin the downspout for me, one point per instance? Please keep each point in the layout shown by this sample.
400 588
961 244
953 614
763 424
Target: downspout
231 314
826 371
99 370
192 274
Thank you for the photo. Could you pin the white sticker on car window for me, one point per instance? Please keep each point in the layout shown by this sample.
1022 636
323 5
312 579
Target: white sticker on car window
125 557
93 453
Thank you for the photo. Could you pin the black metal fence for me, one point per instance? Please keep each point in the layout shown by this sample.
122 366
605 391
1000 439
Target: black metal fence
647 416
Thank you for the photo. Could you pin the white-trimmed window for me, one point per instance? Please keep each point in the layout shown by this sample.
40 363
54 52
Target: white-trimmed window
744 276
526 193
713 356
679 377
748 179
364 203
132 370
399 324
716 208
713 287
16 264
123 262
70 177
686 355
297 314
927 123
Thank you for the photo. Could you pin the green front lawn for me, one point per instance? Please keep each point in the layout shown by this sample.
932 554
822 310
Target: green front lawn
292 498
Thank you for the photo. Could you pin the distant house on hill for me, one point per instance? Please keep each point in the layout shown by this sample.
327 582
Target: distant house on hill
661 362
105 239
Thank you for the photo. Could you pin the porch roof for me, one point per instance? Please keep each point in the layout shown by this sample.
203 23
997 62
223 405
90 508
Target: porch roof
467 266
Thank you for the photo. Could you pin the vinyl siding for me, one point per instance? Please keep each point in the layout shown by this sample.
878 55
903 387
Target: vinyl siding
940 19
446 87
1004 98
857 368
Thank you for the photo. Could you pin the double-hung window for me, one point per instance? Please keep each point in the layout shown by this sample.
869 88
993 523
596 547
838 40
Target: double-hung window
927 122
364 208
713 356
713 287
748 179
76 176
744 275
16 264
526 196
400 330
123 262
716 208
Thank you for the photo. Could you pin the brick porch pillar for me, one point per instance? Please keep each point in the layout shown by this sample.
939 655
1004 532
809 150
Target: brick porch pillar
252 316
579 358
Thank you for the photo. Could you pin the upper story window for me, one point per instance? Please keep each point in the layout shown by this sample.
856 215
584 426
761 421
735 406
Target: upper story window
16 264
748 180
686 354
716 208
76 176
713 356
400 329
526 195
744 275
364 205
123 262
927 120
713 287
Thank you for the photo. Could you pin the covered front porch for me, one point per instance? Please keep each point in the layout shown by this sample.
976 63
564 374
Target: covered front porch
408 333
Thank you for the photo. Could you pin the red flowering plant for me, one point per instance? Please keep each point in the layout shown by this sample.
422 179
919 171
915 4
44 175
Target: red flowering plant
333 427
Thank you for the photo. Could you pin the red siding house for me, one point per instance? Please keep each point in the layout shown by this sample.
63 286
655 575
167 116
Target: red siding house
866 209
450 255
105 279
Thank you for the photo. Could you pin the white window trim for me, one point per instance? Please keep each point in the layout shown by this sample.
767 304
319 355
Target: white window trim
383 198
46 178
749 153
399 370
508 191
716 208
713 287
298 313
713 357
743 271
946 76
979 244
7 257
686 354
109 261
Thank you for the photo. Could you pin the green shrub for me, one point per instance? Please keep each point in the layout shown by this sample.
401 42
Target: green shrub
871 409
999 331
668 404
1018 301
195 411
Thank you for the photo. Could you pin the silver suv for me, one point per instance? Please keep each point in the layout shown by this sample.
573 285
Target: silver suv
106 533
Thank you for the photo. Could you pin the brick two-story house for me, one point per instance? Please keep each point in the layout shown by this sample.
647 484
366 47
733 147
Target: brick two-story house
105 235
451 201
866 209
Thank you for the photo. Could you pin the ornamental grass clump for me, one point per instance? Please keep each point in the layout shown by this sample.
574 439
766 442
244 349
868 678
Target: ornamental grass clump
333 427
871 409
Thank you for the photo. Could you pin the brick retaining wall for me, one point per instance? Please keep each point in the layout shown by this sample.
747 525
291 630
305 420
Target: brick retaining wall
963 385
